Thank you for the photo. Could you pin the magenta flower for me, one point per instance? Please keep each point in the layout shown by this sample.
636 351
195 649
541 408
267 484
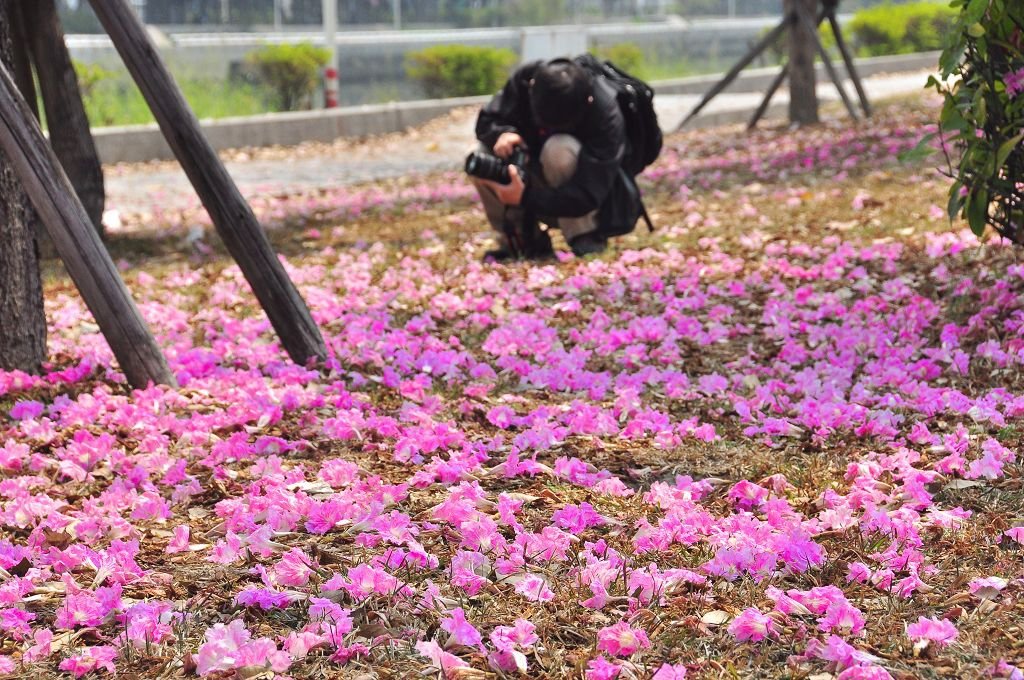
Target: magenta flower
868 672
298 644
1014 81
179 541
293 568
42 648
264 598
461 630
858 572
940 631
621 639
90 659
534 588
753 626
26 410
843 618
522 633
577 518
232 646
747 495
670 672
1015 534
988 587
442 660
600 668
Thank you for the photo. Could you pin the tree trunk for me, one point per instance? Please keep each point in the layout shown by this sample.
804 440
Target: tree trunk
803 96
71 139
22 321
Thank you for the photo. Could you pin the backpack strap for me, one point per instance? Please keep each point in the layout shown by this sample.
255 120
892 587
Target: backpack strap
631 185
647 218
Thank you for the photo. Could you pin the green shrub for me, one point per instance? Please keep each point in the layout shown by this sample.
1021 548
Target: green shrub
901 29
460 70
90 76
627 56
115 100
291 71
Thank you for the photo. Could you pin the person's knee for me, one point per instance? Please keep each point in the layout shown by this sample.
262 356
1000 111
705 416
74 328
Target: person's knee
559 158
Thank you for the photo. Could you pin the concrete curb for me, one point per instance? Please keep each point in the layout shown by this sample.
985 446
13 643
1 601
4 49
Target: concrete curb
140 143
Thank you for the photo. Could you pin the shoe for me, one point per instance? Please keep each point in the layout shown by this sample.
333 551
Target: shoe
537 244
588 244
505 255
502 254
537 248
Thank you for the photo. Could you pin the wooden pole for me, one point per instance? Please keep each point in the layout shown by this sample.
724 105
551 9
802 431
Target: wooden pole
70 135
76 240
734 71
772 89
21 61
848 60
231 215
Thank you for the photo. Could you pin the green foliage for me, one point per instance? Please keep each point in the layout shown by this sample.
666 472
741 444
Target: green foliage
460 70
90 76
983 114
627 56
291 71
115 100
901 29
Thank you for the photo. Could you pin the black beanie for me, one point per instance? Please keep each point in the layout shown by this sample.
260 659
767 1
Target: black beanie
560 92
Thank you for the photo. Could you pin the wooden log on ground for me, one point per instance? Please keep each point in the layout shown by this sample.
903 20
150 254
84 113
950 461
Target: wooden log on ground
231 215
85 258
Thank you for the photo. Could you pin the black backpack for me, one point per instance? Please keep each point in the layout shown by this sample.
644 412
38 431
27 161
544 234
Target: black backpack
643 134
636 100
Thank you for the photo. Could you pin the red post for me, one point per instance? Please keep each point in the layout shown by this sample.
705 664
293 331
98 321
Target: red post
330 88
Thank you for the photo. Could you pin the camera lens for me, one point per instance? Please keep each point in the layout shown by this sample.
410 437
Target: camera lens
486 166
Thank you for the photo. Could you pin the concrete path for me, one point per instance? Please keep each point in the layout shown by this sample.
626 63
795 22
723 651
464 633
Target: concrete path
439 145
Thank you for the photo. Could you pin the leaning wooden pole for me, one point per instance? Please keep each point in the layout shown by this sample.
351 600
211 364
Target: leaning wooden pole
71 138
848 60
730 76
77 242
772 89
231 215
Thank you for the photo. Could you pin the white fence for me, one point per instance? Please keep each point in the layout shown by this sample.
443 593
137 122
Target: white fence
372 64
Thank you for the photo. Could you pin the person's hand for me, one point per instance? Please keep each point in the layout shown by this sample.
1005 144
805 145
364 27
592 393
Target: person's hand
507 141
511 193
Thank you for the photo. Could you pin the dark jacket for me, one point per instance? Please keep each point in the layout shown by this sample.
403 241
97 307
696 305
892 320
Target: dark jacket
601 133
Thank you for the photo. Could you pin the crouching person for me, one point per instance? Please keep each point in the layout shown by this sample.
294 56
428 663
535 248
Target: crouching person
552 146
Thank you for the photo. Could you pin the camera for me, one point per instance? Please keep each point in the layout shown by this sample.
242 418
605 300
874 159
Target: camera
487 166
